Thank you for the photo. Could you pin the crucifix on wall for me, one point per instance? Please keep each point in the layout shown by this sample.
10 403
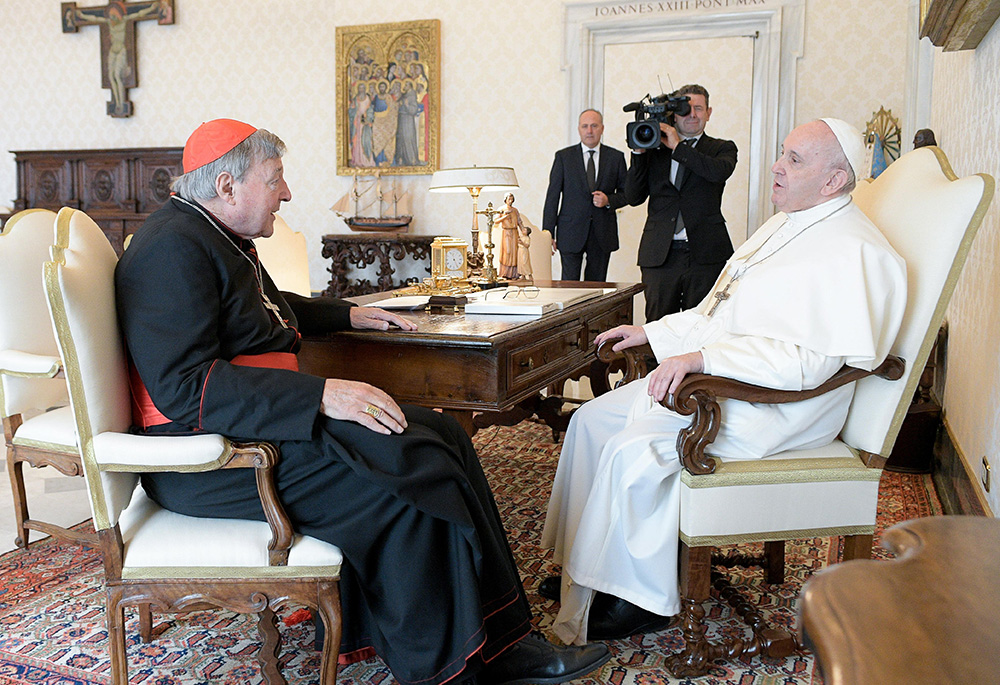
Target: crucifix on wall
117 20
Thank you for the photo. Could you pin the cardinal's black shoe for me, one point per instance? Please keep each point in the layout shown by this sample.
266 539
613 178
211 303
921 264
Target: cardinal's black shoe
536 660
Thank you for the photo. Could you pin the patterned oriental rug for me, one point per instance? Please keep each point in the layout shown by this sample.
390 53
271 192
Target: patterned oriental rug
52 628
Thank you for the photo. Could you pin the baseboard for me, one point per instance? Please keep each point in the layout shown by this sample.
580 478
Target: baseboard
955 485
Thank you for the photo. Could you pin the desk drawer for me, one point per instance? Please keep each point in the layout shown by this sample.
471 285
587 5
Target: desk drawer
608 320
542 357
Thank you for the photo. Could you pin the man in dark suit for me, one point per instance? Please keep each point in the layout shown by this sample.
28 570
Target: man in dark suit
590 178
684 243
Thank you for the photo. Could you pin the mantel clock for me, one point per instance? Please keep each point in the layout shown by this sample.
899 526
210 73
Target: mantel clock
449 258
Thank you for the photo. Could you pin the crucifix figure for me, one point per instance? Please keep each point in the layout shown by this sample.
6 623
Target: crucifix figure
117 20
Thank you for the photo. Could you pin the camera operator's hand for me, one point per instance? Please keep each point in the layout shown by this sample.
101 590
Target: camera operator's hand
669 136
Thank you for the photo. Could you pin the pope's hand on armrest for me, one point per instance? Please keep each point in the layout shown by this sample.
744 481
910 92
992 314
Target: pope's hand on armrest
667 377
626 334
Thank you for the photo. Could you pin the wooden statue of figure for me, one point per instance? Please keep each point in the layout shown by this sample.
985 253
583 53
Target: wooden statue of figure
117 20
523 256
509 220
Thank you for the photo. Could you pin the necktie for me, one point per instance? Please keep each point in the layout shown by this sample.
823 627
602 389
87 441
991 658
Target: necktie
591 171
678 178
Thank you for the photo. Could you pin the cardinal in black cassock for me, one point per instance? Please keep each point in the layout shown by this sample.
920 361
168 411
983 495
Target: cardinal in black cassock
428 582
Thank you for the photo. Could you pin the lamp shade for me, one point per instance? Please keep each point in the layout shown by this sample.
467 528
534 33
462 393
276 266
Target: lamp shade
462 179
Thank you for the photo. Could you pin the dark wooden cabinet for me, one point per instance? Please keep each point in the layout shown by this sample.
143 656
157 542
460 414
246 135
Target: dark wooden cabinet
117 188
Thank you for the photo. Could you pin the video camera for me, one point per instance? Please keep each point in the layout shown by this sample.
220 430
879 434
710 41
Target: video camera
644 132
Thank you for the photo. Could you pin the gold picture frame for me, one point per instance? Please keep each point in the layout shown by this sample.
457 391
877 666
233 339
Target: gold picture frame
393 126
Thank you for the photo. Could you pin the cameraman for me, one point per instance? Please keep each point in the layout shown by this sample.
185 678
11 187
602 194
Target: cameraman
684 242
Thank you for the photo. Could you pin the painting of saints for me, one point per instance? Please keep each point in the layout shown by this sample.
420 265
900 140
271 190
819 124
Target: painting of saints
387 98
407 153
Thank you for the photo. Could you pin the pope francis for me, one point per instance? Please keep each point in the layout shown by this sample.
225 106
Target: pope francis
816 287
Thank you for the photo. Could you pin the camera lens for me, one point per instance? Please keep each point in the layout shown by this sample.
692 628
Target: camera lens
647 134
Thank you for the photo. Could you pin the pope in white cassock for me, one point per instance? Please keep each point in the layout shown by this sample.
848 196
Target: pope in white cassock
817 286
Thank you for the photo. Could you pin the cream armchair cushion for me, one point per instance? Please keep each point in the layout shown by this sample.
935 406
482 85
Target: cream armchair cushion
285 256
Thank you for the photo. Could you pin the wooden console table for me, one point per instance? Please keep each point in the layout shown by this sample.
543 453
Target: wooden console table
360 250
117 188
481 369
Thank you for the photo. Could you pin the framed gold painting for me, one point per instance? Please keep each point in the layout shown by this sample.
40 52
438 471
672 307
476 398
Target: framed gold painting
389 98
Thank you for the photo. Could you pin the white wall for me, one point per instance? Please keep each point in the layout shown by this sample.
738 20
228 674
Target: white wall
271 63
966 120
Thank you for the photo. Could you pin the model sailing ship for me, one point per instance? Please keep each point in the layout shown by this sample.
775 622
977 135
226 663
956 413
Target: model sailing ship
363 207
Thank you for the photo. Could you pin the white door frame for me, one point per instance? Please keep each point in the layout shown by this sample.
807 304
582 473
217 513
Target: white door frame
777 25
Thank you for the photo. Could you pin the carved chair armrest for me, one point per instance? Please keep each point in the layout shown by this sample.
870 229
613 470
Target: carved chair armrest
639 361
126 452
263 457
699 393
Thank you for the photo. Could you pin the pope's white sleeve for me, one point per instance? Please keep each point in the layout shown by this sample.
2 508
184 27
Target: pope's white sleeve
768 362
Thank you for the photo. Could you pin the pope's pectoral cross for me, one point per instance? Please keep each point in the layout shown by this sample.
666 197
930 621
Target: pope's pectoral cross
117 20
720 296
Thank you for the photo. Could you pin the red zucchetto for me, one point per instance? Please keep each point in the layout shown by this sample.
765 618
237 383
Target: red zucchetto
213 139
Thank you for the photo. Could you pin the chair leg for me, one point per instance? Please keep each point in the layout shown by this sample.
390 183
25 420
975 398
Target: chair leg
145 622
14 468
858 547
774 556
328 596
116 636
695 581
698 653
270 649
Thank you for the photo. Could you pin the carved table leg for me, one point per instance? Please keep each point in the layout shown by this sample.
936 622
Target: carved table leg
465 420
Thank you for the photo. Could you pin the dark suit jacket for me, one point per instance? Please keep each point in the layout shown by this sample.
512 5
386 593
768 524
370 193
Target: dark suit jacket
571 220
708 165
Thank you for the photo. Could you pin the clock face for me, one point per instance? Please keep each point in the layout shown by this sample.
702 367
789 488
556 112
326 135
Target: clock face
453 259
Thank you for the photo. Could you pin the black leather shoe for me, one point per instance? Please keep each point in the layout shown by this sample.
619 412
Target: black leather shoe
613 618
536 660
551 588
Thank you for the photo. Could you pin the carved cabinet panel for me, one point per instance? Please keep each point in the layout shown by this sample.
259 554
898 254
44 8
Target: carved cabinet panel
118 188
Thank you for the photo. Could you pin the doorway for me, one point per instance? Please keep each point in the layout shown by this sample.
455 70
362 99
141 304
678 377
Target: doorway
724 66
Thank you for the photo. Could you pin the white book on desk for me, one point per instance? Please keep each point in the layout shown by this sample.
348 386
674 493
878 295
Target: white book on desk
516 304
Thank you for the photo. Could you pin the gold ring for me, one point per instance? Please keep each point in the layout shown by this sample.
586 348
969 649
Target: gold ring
373 411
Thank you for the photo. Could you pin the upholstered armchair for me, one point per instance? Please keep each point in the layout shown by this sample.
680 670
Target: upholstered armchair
286 258
152 556
37 421
930 217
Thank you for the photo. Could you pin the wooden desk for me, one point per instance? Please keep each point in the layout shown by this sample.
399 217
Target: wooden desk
932 615
469 364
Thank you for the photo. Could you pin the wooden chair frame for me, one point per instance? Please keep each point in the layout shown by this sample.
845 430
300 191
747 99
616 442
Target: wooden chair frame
63 458
698 397
260 596
86 335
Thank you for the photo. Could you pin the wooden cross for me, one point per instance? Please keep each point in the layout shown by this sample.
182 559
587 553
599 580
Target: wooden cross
117 20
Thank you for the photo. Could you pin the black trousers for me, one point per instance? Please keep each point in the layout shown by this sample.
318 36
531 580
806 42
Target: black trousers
597 261
429 581
678 284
